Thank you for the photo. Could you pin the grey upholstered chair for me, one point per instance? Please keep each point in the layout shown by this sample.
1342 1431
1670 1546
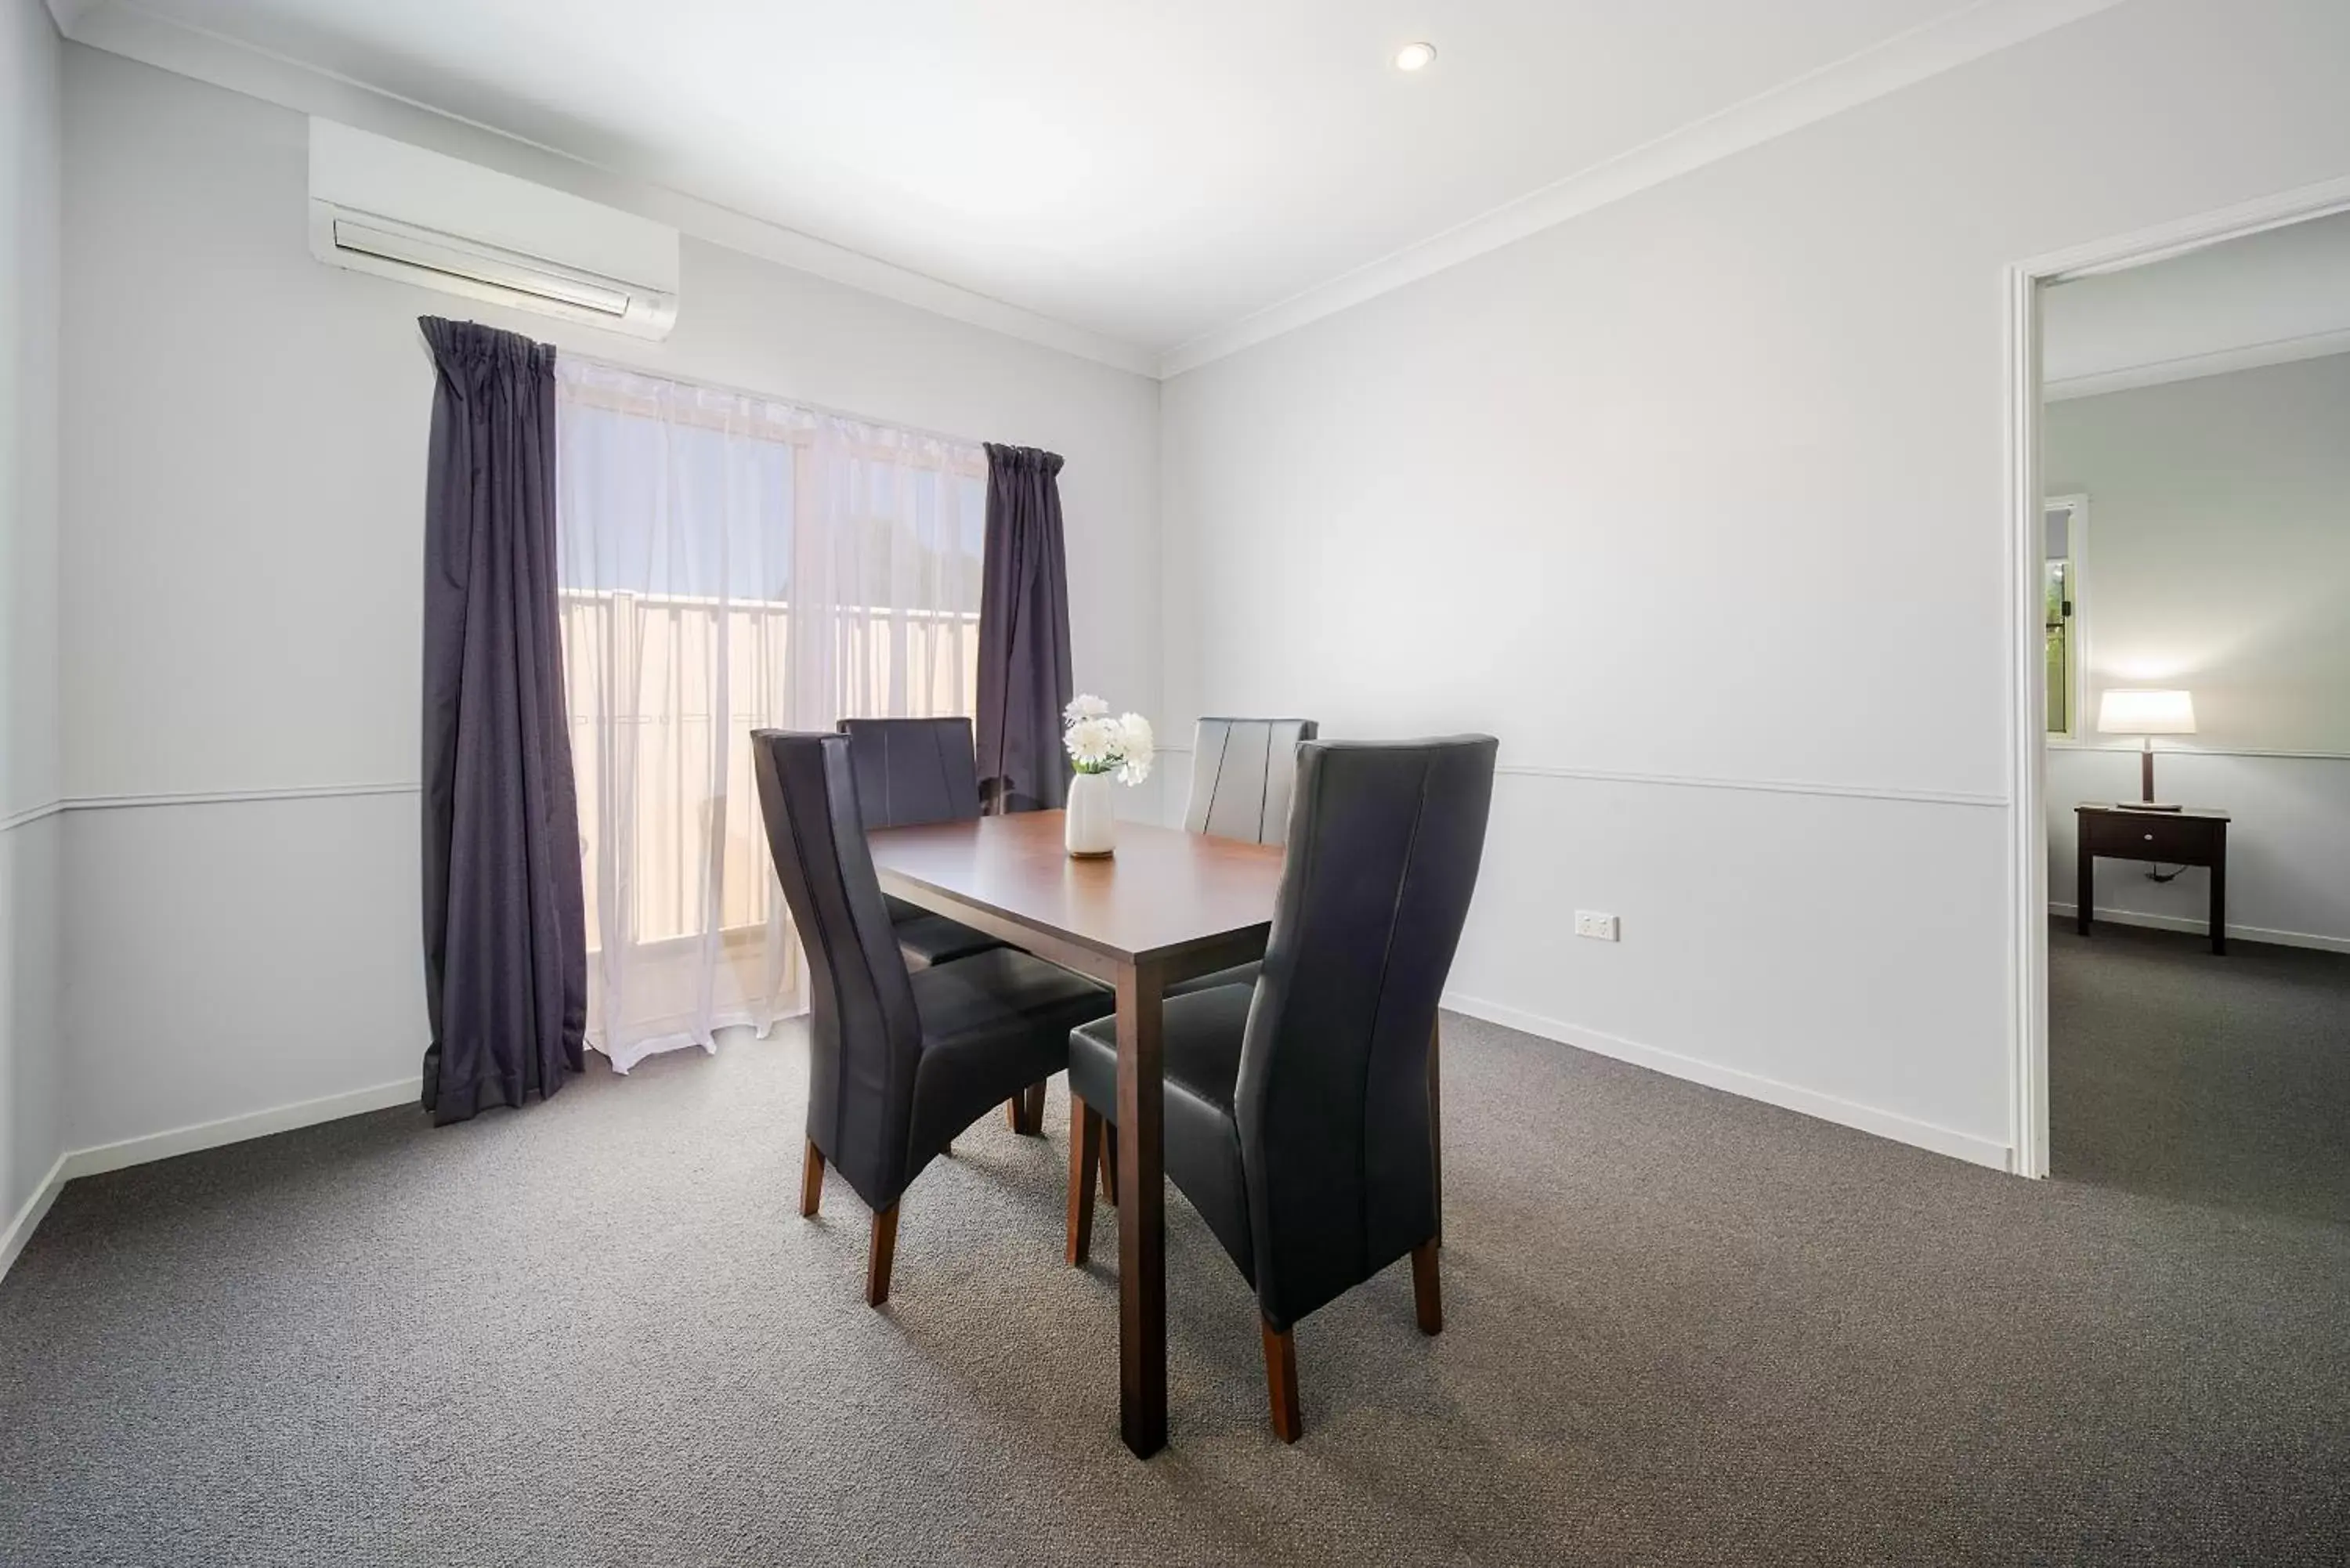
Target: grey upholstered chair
909 772
898 1060
1299 1119
1243 772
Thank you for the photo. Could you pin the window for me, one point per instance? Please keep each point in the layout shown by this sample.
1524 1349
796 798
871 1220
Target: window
2064 525
727 563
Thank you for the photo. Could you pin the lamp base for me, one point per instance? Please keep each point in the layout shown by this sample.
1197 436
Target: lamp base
2147 805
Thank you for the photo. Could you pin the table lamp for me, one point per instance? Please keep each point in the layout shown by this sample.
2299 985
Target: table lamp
2147 713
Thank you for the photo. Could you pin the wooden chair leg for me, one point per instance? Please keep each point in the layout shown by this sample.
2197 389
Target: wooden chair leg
1436 1124
879 1253
1110 1164
811 1180
1085 1153
1025 1111
1427 1294
1281 1381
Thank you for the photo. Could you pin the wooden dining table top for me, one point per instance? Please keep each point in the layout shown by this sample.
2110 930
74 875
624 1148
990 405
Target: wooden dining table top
1164 893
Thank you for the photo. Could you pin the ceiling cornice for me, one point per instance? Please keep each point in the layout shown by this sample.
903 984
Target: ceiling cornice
67 13
1985 27
139 35
2193 366
1924 51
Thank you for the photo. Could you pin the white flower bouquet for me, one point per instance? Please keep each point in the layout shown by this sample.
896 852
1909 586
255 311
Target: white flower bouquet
1103 749
1098 743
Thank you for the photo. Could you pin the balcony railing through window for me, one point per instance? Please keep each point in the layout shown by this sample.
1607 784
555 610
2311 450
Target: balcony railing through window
705 672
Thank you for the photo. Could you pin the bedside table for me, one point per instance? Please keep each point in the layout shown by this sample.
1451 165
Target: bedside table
2188 838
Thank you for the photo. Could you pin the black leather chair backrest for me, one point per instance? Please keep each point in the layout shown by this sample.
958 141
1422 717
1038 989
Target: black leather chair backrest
911 771
1332 1102
865 1037
1243 776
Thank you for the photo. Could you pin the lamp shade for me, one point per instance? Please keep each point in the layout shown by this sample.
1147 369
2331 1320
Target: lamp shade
2124 713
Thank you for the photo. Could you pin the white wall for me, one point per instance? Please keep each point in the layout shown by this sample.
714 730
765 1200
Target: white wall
2261 299
31 1060
243 496
1698 497
2220 547
2219 560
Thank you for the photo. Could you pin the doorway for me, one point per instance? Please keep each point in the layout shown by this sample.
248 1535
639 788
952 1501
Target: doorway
2102 663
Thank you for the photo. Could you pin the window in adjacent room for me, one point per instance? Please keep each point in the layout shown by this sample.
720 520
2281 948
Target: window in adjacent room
2065 527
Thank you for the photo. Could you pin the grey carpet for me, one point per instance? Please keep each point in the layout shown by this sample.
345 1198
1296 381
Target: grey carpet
2218 1081
1683 1328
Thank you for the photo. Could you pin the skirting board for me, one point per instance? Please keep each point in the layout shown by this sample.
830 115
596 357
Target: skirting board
1770 1091
236 1129
109 1157
20 1229
2199 928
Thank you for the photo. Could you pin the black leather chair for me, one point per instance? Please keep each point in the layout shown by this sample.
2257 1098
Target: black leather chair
910 772
898 1061
1300 1120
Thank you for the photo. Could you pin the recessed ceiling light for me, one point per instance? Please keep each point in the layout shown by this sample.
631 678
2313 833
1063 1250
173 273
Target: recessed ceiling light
1412 56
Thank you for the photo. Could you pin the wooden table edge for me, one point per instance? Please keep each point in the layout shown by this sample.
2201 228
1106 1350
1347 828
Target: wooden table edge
1180 960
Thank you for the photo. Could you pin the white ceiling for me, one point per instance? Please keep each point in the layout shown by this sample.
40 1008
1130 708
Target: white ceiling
2263 299
1153 174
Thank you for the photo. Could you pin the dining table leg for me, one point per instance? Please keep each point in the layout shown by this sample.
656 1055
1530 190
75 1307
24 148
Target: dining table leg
1141 1211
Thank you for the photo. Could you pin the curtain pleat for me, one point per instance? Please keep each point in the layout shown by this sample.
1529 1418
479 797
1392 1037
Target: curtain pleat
505 952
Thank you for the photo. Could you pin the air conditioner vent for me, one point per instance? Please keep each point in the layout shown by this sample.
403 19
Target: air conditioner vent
381 206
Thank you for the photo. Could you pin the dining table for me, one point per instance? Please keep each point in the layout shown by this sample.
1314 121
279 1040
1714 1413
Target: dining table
1164 906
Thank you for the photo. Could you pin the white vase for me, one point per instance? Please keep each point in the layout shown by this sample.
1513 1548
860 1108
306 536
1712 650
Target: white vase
1090 825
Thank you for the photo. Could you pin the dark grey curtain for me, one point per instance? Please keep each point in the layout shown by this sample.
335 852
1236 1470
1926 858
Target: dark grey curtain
506 968
1024 678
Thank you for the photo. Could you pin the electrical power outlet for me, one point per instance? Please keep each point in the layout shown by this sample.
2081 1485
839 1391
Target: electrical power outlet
1599 928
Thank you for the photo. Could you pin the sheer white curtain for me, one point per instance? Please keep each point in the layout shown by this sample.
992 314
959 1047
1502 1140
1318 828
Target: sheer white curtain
729 563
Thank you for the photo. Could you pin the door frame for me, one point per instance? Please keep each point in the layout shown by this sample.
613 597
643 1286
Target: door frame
2027 678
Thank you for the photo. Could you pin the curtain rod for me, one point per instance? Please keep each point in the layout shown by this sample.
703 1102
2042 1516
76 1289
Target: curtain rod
725 390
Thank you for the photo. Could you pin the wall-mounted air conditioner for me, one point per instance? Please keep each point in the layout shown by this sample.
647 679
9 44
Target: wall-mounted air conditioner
384 207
